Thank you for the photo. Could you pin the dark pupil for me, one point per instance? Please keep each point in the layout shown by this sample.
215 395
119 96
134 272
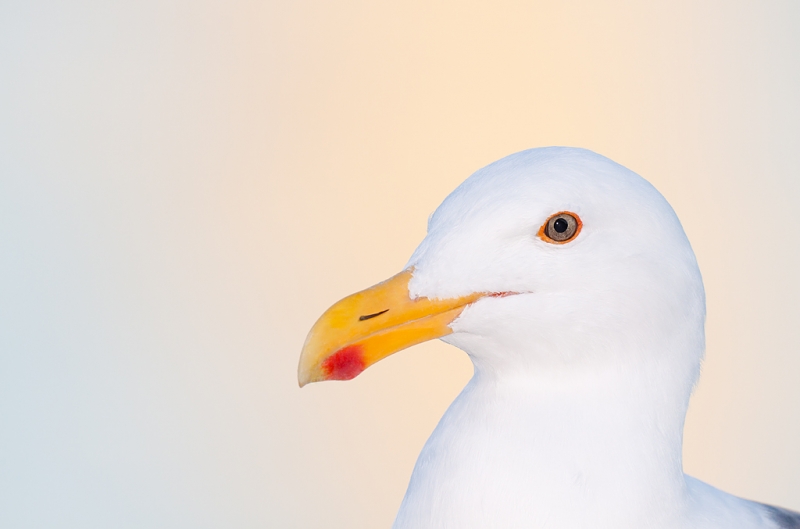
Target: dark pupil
560 225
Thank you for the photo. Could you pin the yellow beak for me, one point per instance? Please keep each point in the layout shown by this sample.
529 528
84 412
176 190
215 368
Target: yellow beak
370 325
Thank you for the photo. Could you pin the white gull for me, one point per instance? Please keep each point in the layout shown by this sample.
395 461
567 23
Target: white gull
570 283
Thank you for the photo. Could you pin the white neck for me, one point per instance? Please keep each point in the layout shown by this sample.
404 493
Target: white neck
587 449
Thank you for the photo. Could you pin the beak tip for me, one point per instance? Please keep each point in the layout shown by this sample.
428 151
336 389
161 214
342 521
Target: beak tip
302 375
308 373
303 378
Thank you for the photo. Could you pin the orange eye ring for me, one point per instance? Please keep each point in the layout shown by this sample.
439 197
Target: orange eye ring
561 228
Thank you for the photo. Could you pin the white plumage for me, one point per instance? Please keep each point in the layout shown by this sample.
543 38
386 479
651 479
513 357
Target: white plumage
574 417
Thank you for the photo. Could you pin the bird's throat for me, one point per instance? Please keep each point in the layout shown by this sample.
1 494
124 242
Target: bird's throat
553 455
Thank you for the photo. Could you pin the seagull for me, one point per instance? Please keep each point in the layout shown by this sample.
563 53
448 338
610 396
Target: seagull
571 285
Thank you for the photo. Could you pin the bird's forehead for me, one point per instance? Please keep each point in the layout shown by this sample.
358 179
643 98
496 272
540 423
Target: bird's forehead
538 182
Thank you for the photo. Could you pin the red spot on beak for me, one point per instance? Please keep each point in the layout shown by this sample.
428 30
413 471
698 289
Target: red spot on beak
344 364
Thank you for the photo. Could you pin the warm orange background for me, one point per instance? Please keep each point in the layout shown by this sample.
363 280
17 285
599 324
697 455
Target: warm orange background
186 186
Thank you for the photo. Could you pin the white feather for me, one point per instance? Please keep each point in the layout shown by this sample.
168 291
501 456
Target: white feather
574 417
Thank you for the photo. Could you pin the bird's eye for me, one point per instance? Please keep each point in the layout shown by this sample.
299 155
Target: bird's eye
560 228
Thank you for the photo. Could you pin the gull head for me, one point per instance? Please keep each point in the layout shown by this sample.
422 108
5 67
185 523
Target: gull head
549 261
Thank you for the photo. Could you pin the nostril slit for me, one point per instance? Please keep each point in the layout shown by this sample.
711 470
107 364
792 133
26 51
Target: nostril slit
370 316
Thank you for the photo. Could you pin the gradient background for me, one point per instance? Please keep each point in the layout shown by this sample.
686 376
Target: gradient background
186 186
